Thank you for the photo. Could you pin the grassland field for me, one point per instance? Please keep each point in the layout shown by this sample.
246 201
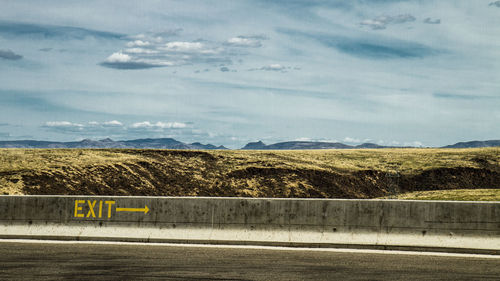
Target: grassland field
449 174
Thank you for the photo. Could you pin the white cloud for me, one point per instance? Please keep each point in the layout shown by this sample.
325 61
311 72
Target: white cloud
143 54
241 41
118 57
413 143
183 46
159 125
303 139
351 140
62 124
138 43
113 123
140 51
120 60
90 126
115 127
275 67
374 24
381 22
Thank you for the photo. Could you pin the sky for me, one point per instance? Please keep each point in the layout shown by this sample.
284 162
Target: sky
420 73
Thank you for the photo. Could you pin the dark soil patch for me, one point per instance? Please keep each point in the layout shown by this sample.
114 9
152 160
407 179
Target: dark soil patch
161 178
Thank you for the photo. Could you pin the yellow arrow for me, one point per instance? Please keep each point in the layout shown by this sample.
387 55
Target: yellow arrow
145 209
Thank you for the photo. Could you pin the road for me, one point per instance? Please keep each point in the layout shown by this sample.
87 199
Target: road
113 261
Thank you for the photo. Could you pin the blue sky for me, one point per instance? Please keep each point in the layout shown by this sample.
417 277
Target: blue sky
229 72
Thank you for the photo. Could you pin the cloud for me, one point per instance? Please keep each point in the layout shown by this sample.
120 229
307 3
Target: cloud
67 124
431 21
16 29
413 143
138 43
118 57
382 21
113 126
303 139
63 126
121 60
496 3
224 69
128 65
116 123
9 55
351 140
275 67
159 125
156 36
368 47
116 129
113 123
151 50
163 54
253 41
140 51
92 128
183 46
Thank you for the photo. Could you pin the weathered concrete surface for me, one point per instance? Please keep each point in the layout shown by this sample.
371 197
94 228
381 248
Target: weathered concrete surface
390 224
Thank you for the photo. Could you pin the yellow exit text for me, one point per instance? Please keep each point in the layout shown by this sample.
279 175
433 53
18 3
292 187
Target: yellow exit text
92 206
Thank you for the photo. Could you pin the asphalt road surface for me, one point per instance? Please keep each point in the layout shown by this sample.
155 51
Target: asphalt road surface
85 261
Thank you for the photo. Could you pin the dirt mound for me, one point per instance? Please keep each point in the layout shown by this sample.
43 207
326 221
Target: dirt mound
159 178
304 174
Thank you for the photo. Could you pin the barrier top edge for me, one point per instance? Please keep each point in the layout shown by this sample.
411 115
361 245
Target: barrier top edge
240 198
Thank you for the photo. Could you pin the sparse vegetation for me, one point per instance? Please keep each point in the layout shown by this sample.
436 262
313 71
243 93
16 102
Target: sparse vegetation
363 173
455 194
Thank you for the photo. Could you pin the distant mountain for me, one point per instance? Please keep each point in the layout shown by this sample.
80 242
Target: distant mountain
473 144
293 145
161 143
170 143
255 145
371 145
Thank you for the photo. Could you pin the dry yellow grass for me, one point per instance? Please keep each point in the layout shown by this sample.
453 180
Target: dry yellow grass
39 159
404 160
455 194
358 173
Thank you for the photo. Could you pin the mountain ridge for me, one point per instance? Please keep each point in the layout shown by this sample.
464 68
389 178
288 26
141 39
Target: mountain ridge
473 144
297 145
170 143
158 143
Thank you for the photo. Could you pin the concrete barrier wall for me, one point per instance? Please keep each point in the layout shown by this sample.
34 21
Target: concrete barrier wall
392 224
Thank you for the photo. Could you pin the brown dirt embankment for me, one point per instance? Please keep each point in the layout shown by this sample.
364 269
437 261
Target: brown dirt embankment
306 174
